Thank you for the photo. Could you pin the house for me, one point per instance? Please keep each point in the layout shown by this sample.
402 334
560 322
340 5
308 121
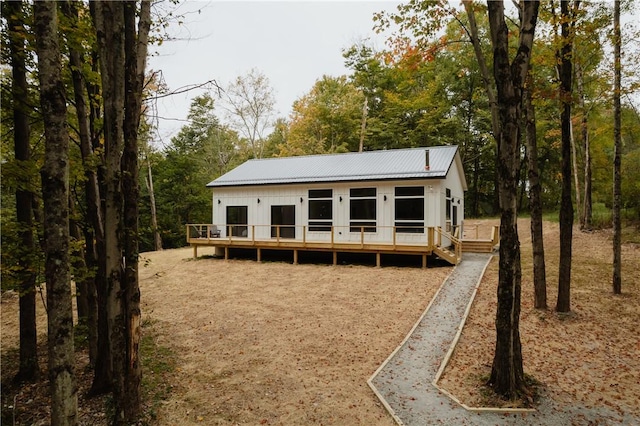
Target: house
392 201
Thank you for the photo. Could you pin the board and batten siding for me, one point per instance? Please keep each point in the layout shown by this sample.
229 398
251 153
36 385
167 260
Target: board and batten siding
259 213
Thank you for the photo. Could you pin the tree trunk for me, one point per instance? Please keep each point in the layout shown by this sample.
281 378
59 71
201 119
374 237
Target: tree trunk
29 369
157 239
566 206
574 163
55 187
109 22
79 266
363 126
586 210
535 206
617 158
92 190
135 54
507 374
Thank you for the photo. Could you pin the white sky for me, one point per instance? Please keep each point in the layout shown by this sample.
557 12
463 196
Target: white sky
292 43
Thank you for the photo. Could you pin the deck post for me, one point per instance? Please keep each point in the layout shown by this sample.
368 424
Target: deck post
226 253
378 259
259 254
295 256
335 258
304 235
195 251
424 261
394 237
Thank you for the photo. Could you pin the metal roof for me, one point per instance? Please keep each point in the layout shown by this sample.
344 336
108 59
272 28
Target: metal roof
353 166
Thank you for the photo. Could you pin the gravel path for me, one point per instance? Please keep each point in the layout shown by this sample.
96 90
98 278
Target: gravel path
404 382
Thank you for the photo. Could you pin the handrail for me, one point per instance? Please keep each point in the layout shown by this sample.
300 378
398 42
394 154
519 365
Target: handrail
455 242
384 233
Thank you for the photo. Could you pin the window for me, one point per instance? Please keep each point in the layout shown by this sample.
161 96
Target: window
283 221
362 210
320 209
409 206
237 220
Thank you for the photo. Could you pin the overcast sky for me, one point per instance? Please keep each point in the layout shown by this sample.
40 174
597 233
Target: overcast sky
292 43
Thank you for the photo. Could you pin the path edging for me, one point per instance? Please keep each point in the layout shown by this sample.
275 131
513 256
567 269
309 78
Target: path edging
449 354
390 357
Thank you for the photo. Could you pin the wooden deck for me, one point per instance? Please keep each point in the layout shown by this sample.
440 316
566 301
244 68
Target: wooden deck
432 241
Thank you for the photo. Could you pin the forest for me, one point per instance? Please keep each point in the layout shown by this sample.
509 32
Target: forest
80 158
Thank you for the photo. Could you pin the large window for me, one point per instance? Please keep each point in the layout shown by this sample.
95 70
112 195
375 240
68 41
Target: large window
320 209
237 220
283 221
409 203
362 209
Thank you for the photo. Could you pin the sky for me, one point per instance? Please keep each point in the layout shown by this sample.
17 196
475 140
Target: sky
292 43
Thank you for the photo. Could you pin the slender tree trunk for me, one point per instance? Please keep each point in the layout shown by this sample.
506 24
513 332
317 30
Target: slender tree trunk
55 188
363 127
585 211
136 55
507 373
29 369
79 266
617 158
535 206
92 190
157 239
566 207
574 163
109 23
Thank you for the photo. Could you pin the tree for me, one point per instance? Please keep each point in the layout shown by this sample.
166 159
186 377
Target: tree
55 187
327 119
535 203
507 374
122 51
565 71
617 176
26 271
249 103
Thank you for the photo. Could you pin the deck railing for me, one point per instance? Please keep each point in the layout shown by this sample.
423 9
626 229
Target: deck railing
427 236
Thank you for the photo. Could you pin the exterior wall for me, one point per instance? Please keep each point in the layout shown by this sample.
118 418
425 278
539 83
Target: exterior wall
259 213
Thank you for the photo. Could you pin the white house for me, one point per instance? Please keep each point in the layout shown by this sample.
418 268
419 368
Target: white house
375 201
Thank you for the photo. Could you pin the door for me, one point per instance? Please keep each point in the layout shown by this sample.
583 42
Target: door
283 221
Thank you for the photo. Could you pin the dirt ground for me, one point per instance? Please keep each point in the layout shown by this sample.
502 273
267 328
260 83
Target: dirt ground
271 342
590 356
275 343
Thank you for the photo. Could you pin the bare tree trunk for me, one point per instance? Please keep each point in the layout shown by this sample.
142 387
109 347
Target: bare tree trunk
535 206
109 22
363 127
157 239
507 373
574 162
55 188
566 206
617 159
29 369
79 266
92 191
135 61
585 210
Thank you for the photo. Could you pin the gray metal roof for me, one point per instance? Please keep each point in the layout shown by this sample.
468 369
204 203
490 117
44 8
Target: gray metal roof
353 166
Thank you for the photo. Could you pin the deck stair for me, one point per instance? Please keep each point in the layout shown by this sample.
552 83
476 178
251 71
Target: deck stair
445 254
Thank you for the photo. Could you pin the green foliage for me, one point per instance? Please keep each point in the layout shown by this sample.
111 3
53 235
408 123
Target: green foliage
202 151
325 120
